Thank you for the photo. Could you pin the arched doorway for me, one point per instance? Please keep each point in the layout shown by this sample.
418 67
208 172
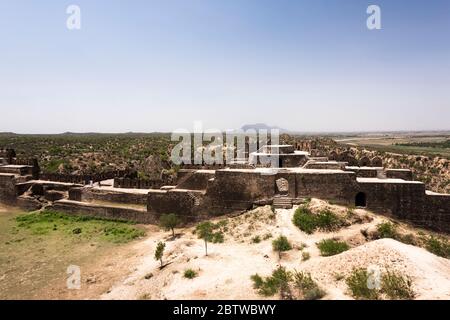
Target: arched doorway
360 199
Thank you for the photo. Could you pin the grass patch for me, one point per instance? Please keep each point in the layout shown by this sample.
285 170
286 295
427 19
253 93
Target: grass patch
46 222
357 283
307 287
269 286
308 222
256 239
304 220
190 274
387 230
331 247
281 244
305 256
396 287
392 286
438 246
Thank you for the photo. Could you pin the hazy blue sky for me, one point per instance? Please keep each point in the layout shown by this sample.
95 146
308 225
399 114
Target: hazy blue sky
161 65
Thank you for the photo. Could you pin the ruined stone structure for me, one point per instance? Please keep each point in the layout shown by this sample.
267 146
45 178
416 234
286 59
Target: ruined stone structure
201 193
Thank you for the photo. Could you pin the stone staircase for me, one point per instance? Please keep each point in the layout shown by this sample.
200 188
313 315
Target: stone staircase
282 202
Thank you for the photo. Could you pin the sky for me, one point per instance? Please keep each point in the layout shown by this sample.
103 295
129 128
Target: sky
148 66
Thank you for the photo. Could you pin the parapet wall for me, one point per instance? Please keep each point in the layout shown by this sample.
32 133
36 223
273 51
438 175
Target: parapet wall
337 186
89 194
7 188
197 180
102 211
189 205
404 174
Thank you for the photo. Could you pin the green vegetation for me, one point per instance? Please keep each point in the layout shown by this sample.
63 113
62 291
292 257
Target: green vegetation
256 239
190 274
206 231
396 287
357 283
281 244
305 256
308 222
281 282
46 222
438 246
307 286
387 230
440 144
392 285
169 222
91 153
159 252
278 282
331 247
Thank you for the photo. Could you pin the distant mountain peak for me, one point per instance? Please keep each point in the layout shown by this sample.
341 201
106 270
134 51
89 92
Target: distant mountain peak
261 126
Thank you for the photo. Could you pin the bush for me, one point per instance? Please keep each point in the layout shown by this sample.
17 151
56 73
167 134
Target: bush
190 274
267 236
438 246
357 283
304 220
159 252
279 281
328 221
332 247
307 286
396 287
393 286
305 256
281 244
217 237
387 230
308 222
169 222
256 239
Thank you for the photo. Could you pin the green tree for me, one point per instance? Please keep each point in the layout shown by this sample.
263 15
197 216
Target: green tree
159 252
169 222
281 244
205 231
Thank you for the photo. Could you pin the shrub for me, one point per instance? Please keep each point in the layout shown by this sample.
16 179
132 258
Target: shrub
357 283
169 222
305 256
328 221
387 230
281 244
307 286
256 239
304 220
190 274
279 281
217 237
393 285
438 246
332 247
396 287
408 239
267 236
148 276
159 252
308 222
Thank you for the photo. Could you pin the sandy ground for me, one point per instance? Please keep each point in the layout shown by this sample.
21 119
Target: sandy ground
131 272
225 272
